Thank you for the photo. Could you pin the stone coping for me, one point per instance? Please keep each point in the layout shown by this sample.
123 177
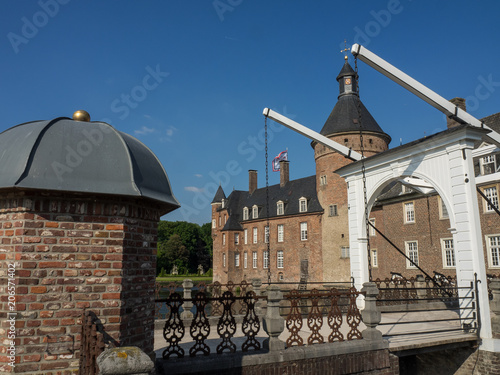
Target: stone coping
214 362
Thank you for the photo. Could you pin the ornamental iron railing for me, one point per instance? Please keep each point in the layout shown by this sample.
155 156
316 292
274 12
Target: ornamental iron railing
306 311
200 328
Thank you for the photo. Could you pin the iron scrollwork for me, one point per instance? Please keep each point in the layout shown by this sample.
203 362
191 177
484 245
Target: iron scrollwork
173 332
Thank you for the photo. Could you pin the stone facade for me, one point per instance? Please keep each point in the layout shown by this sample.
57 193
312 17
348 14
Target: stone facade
74 252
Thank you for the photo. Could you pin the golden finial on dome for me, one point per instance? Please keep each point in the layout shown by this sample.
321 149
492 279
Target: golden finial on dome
81 115
345 50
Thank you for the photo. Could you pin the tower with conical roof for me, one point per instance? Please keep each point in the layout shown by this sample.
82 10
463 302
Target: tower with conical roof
348 118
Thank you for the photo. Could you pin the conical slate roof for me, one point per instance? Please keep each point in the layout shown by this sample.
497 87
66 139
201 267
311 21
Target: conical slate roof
85 157
345 117
349 111
219 195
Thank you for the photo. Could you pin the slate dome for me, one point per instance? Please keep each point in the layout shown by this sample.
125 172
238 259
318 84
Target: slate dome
84 157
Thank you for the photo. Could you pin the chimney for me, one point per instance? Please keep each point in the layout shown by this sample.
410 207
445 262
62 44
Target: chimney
284 172
252 180
460 103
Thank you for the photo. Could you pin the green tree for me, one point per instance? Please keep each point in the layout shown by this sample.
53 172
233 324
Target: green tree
175 252
206 236
195 239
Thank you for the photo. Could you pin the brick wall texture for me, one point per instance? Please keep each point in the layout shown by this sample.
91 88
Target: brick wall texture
429 229
72 253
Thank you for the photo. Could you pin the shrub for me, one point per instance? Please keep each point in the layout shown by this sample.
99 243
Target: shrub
209 273
163 273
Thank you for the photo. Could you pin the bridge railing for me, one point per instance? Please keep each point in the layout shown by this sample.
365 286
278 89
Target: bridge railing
289 318
181 318
447 307
401 290
329 315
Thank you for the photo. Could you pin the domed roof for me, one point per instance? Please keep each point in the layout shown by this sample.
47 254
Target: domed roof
85 157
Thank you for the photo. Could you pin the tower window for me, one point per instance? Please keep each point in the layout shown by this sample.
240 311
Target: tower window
332 210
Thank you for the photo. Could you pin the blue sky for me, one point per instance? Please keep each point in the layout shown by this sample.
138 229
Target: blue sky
190 78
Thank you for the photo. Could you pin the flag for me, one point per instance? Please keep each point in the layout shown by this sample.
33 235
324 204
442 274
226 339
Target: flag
276 161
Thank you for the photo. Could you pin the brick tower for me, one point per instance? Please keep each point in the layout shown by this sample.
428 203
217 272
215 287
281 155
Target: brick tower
79 208
343 126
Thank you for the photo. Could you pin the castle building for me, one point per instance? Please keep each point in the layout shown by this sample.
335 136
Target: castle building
307 226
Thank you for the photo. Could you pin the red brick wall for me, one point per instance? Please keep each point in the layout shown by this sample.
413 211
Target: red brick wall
428 230
334 192
72 253
294 250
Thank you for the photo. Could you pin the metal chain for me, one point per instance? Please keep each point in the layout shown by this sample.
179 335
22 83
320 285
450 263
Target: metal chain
362 149
268 237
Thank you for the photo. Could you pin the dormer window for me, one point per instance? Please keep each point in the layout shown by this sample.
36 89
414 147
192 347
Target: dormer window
302 204
488 164
223 203
280 208
405 189
255 212
245 213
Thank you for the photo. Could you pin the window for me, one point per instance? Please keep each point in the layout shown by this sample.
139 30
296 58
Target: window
409 212
225 218
236 259
303 231
254 235
281 277
223 238
332 210
245 235
488 164
281 232
322 180
236 238
220 221
280 208
245 213
254 259
412 253
223 203
374 258
345 252
448 253
266 234
372 232
255 212
443 211
405 189
279 258
245 259
302 205
492 195
266 259
214 223
493 243
224 260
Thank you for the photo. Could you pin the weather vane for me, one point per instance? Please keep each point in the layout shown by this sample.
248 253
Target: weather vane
345 50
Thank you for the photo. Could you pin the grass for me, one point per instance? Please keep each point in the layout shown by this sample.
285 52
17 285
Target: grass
180 278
